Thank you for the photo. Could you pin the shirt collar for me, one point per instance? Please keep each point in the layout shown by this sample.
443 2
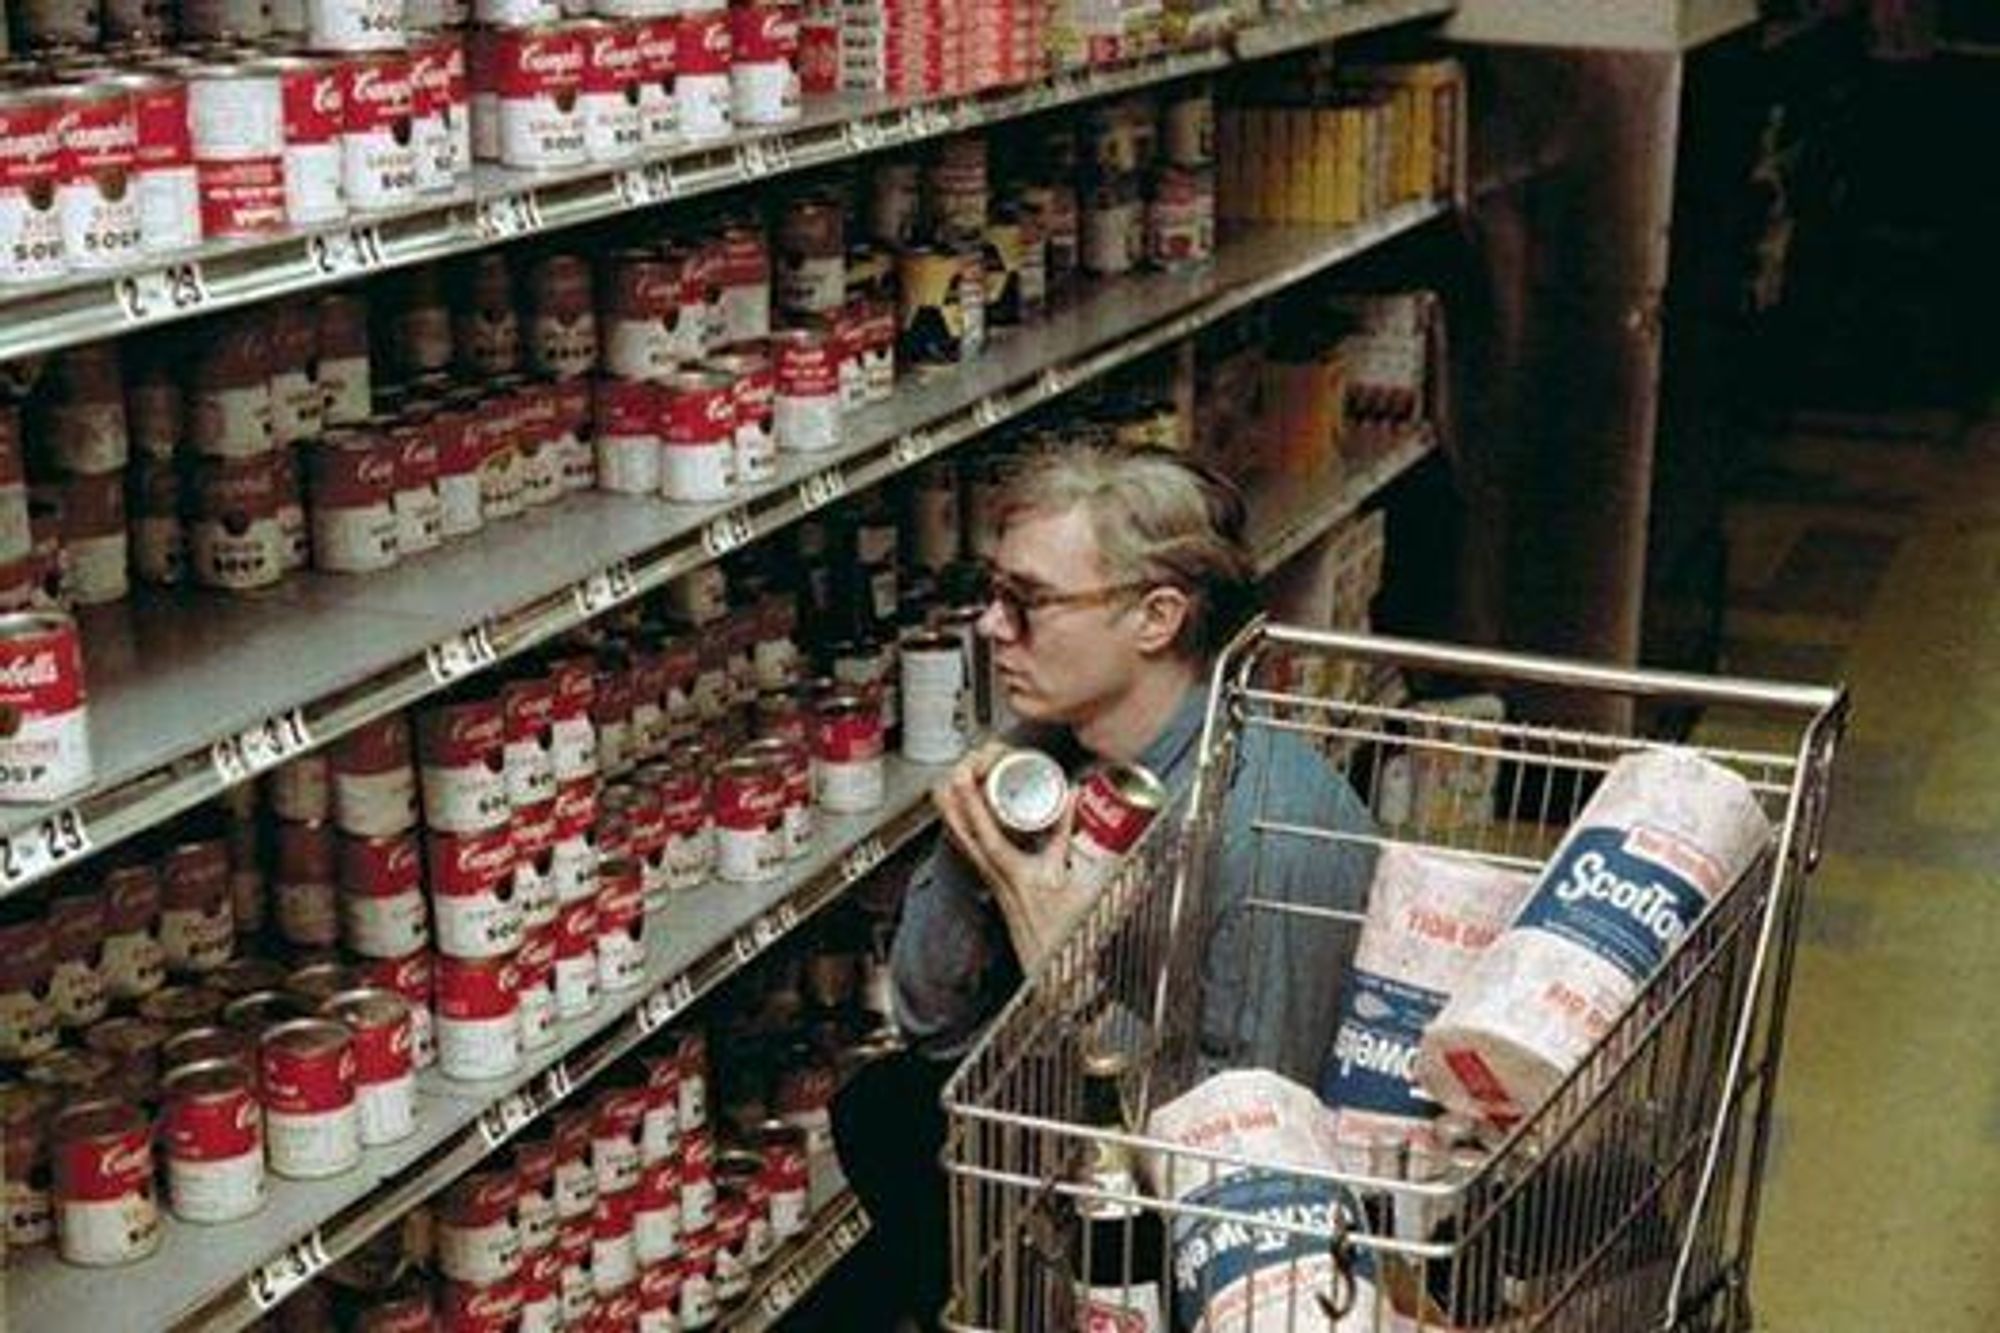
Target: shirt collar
1167 752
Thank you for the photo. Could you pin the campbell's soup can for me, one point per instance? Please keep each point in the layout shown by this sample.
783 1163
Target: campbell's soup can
698 1295
642 309
163 172
656 1211
31 231
212 1136
344 359
528 714
658 36
45 751
351 481
660 1294
133 963
764 63
806 408
699 445
536 893
374 781
617 1121
305 878
197 924
749 812
621 926
378 159
577 979
478 1021
734 1257
385 1077
702 59
105 1209
573 854
744 261
473 892
612 69
461 753
541 1291
24 1165
27 1019
355 25
537 963
614 1261
465 1308
435 130
383 913
410 977
794 760
311 90
97 145
76 918
478 1236
461 458
1115 802
579 1292
575 1176
419 502
312 1121
236 540
753 395
536 76
573 740
691 1055
237 114
787 1177
811 257
535 1212
562 330
848 751
298 400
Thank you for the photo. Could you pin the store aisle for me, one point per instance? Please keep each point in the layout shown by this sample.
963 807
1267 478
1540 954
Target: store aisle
1869 548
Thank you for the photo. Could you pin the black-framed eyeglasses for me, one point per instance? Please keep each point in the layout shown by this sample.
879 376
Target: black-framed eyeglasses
1019 600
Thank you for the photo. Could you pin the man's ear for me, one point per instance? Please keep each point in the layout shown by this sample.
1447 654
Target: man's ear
1162 613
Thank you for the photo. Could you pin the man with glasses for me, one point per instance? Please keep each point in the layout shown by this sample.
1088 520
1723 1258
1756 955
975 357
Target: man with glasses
1118 576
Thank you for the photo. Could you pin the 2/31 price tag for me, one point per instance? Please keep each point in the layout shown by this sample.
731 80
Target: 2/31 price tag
462 654
161 293
270 1284
822 489
261 748
665 1004
32 853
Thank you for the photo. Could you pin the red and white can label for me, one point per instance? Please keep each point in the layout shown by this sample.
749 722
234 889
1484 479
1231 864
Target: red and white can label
378 160
535 1213
436 125
656 1215
614 1262
746 287
756 435
464 1308
806 410
698 1302
689 852
573 858
576 1181
534 835
697 1181
133 964
464 776
385 1083
46 754
702 55
97 145
237 117
612 69
659 110
573 746
298 406
231 421
214 1148
103 1193
353 487
314 112
577 982
31 233
528 753
764 68
384 925
1108 826
789 1210
621 940
478 1239
312 1124
698 458
169 197
749 827
538 1012
376 804
537 75
848 763
616 1130
473 893
478 1025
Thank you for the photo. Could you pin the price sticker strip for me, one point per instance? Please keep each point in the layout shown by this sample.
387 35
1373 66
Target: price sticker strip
34 852
161 293
340 253
462 655
606 588
822 489
261 748
665 1004
519 1109
270 1284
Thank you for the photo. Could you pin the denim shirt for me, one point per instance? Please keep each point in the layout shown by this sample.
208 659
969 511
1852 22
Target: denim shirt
1270 981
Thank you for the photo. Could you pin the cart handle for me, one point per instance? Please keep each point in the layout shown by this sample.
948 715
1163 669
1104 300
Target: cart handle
1517 666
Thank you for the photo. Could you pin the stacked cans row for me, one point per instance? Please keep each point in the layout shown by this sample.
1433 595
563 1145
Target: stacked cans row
940 46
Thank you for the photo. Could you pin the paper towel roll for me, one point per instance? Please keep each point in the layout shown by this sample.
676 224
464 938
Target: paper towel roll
1666 834
1235 1278
1430 918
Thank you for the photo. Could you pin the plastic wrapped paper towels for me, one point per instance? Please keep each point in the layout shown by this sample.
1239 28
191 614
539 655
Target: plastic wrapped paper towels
1430 919
1233 1276
1666 834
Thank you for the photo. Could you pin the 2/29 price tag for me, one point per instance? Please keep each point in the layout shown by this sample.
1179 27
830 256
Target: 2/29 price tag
270 1284
261 748
161 293
462 655
606 588
32 853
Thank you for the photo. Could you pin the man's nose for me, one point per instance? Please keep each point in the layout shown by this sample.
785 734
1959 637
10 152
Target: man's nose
993 622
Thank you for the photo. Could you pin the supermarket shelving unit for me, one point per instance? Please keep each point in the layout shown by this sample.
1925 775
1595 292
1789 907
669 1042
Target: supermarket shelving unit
192 693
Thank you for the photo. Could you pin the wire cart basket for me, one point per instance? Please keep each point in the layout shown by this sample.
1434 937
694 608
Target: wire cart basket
1627 1200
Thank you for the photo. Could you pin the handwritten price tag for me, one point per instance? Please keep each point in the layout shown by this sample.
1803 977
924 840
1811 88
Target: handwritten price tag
665 1004
462 655
506 1118
606 588
850 1231
32 853
288 1272
725 534
861 858
261 748
338 254
989 413
510 215
822 489
161 293
913 448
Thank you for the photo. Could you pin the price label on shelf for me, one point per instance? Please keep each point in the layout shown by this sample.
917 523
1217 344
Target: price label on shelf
913 448
753 160
725 534
652 183
1053 382
32 853
863 135
507 1117
822 489
556 1085
261 748
340 253
161 293
271 1283
510 215
988 413
783 1292
606 588
786 916
462 654
665 1004
861 858
849 1232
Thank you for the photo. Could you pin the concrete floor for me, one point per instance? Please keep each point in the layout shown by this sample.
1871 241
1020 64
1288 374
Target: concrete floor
1868 549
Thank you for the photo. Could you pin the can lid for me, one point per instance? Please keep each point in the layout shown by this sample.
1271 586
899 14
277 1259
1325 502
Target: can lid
260 1011
98 1118
126 1036
307 1036
206 1078
366 1006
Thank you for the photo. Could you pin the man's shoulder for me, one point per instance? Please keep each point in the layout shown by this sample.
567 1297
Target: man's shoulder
1283 772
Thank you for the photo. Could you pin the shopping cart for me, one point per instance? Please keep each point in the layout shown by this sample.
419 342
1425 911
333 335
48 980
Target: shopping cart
1627 1201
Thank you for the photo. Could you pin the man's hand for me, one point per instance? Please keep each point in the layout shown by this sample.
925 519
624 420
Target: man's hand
1031 886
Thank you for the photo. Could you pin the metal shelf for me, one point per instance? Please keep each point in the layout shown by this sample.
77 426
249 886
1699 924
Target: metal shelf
224 1277
836 1229
193 692
500 205
1290 517
1625 25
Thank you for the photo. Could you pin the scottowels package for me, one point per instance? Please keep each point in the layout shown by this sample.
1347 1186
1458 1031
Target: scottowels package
1231 1276
1430 917
1666 835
